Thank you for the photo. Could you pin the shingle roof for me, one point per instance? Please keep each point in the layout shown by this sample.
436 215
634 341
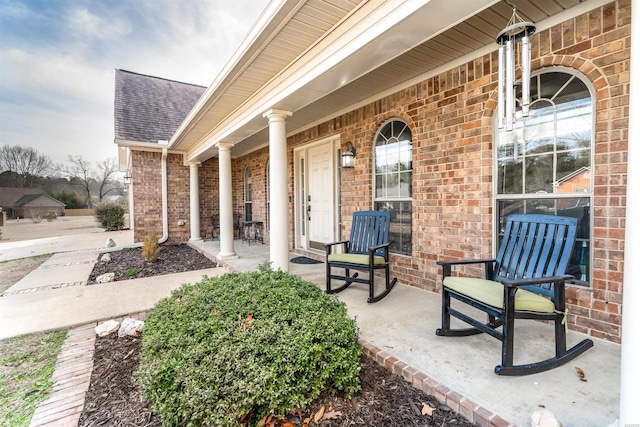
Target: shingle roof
10 195
149 109
43 200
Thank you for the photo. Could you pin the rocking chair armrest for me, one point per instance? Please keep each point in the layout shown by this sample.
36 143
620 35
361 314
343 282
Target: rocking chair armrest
488 266
511 283
375 248
466 261
328 246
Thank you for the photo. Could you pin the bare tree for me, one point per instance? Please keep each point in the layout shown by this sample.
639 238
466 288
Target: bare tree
107 183
100 180
80 174
26 163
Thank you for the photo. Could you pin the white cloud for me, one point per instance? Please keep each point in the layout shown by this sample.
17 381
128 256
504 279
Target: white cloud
57 62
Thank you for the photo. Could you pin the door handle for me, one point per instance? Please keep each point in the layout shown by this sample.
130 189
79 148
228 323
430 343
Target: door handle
309 212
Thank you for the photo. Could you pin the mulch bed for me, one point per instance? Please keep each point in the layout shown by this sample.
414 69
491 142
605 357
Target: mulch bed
114 399
386 399
172 259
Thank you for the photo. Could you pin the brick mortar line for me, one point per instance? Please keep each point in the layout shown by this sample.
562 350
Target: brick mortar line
46 288
454 400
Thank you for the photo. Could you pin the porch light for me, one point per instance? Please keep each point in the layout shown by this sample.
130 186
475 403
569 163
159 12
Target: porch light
516 31
127 177
348 156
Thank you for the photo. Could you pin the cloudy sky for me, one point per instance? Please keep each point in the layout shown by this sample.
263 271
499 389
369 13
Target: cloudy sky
57 61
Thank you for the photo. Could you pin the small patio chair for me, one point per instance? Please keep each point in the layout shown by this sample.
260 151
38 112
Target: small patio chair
525 281
366 250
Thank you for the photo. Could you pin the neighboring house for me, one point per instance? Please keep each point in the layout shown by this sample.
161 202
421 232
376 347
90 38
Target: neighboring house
28 202
413 88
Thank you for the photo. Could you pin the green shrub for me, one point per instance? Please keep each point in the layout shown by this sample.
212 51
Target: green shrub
151 247
110 215
245 345
131 272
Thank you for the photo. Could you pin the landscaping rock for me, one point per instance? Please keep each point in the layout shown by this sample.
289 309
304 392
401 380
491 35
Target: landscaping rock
131 327
106 278
544 418
105 258
110 243
106 328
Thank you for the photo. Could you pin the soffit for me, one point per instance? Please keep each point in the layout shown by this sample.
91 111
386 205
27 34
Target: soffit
307 26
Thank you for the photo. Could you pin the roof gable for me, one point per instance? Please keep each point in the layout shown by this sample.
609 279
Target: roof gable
149 109
38 200
10 195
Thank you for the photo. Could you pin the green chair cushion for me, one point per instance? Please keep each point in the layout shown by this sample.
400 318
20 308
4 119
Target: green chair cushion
355 259
492 293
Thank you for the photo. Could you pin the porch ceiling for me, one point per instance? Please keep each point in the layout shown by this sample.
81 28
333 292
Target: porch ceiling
291 66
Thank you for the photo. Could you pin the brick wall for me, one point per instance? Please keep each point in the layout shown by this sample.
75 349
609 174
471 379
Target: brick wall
451 116
147 195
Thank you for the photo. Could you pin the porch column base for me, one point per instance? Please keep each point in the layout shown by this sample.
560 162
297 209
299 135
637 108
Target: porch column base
227 256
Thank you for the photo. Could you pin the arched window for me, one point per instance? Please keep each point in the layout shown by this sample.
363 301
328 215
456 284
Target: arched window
247 195
545 164
393 180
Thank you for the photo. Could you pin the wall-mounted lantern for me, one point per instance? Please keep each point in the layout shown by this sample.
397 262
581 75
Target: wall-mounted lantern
127 178
348 156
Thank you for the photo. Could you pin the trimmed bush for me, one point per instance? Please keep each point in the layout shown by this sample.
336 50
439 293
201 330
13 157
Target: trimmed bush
242 346
110 215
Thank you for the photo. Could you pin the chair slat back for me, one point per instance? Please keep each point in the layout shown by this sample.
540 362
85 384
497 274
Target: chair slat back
535 246
369 228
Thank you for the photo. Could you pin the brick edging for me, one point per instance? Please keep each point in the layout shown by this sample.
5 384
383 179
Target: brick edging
71 377
454 400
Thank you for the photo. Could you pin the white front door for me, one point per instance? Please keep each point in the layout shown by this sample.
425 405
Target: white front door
320 195
316 211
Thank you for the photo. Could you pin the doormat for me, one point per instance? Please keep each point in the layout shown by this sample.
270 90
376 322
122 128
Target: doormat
305 260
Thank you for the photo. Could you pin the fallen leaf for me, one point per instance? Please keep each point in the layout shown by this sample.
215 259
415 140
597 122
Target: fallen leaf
319 414
580 373
214 311
265 420
427 409
285 423
332 415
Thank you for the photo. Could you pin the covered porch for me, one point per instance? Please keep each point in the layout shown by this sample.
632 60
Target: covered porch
399 332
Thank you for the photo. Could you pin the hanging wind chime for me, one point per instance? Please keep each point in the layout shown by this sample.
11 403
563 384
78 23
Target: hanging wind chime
516 31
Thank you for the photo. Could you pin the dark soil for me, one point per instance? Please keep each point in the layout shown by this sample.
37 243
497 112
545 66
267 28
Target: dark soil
386 399
113 398
172 259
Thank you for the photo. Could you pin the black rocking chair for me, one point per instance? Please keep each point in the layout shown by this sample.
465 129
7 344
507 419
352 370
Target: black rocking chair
525 281
366 250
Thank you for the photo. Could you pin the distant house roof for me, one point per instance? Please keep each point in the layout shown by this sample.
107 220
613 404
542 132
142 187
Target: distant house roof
38 200
149 109
10 195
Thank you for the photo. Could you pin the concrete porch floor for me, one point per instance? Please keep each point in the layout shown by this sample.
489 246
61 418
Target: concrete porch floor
400 332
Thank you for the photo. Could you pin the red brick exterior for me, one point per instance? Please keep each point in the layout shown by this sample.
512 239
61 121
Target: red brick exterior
451 116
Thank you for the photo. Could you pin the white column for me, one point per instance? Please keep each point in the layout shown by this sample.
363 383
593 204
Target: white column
194 201
630 368
278 174
226 202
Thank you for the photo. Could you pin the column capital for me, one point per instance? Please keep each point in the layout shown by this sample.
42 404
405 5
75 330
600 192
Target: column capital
224 145
195 163
277 114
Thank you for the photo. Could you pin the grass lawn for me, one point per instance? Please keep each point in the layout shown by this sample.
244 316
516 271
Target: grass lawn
26 366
